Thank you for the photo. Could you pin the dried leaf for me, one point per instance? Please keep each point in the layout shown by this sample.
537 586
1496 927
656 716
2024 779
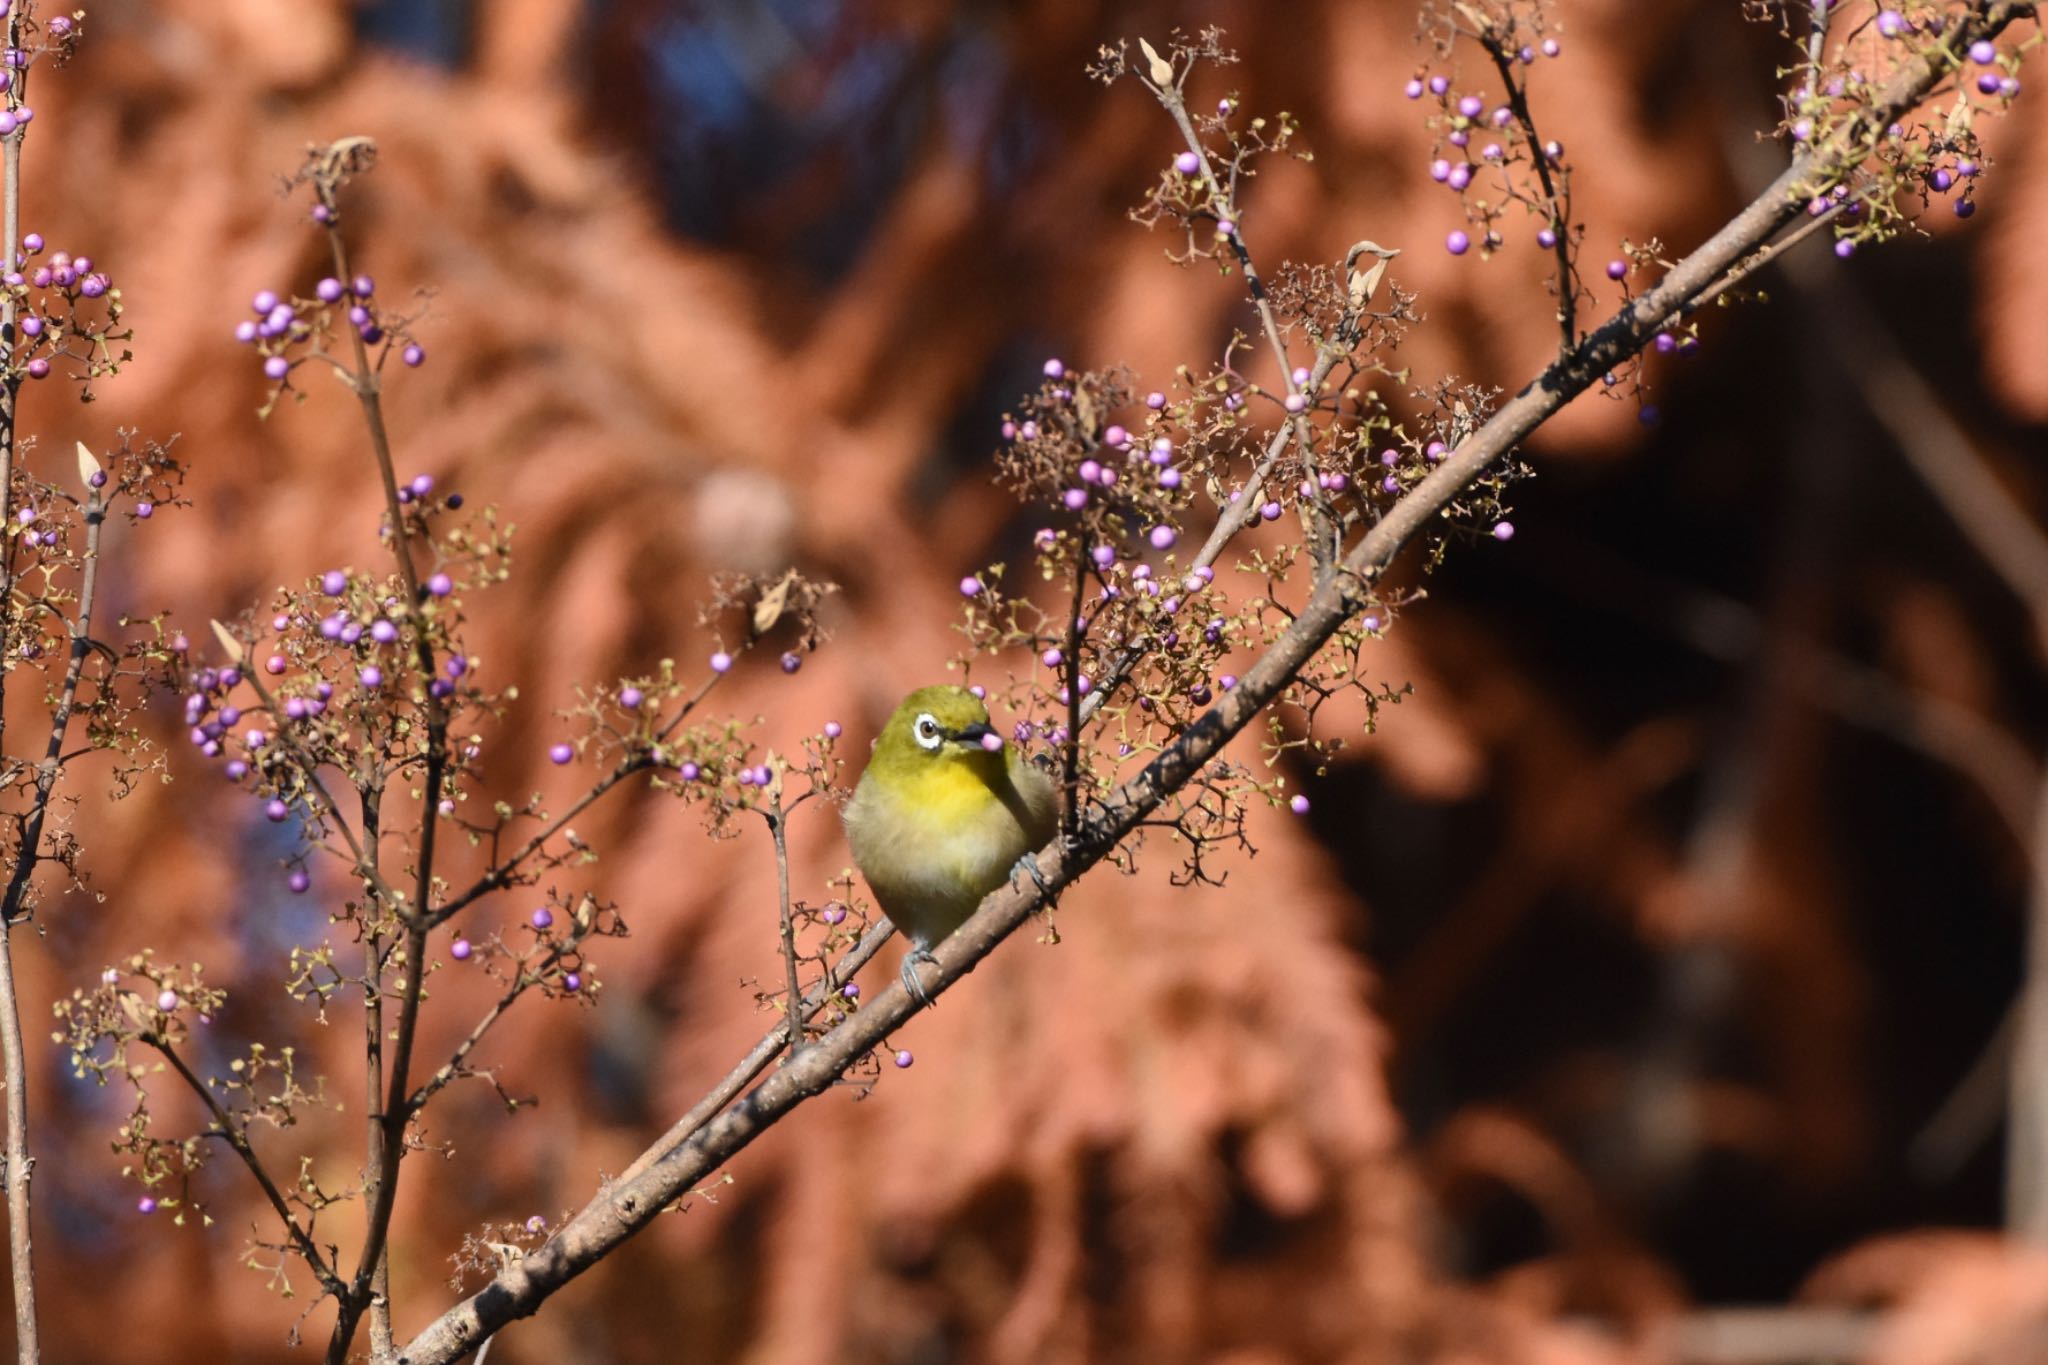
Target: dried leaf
1084 409
88 464
774 600
1363 284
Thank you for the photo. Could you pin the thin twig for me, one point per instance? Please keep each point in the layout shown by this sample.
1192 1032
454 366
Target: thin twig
389 1111
777 819
20 1165
1316 516
1558 200
1070 751
501 872
449 1070
750 1067
238 1141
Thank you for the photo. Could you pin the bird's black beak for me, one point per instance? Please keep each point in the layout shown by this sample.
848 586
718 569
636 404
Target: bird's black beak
973 734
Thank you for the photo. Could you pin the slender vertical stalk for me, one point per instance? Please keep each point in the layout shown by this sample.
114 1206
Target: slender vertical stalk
1556 193
389 1098
1070 752
375 1135
19 1163
20 1166
778 829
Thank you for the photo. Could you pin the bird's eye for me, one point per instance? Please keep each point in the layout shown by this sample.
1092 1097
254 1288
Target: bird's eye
927 731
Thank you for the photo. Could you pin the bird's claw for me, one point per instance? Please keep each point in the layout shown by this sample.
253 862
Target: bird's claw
1027 866
917 954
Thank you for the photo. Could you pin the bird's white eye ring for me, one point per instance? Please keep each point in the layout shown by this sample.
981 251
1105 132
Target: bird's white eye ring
927 732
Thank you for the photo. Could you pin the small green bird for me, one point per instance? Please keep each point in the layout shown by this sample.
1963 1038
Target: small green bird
945 813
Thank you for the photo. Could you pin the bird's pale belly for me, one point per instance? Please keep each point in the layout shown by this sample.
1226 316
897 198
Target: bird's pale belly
930 860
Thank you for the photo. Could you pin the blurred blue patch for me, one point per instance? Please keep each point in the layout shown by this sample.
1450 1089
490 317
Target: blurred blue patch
787 126
434 31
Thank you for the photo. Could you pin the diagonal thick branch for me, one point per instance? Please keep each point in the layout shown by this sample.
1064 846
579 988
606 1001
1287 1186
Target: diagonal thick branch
672 1168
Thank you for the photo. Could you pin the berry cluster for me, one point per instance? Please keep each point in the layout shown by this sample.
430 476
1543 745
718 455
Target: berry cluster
65 309
1851 58
287 332
1488 150
332 677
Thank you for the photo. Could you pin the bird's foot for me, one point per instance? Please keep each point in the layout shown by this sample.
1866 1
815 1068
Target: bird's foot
918 953
1027 866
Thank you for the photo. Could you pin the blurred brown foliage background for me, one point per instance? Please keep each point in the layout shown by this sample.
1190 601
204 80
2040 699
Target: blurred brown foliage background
1636 968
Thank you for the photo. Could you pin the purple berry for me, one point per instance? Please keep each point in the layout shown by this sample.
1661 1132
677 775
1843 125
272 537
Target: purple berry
904 1059
1504 530
145 1205
364 286
721 662
1299 805
300 881
970 587
143 510
541 918
414 355
1458 243
460 950
561 753
1187 163
572 981
791 661
275 810
631 697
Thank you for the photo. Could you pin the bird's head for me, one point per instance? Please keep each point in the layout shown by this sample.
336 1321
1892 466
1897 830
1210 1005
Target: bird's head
939 725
